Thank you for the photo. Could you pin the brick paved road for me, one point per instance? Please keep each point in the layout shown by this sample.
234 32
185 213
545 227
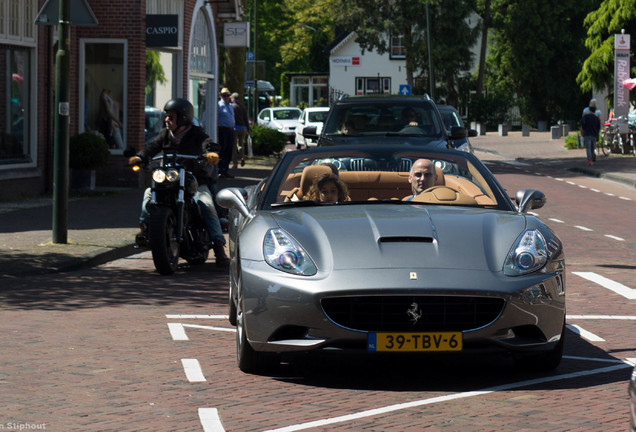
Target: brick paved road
92 350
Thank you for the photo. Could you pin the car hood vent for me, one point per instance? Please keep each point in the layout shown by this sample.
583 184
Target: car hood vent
406 239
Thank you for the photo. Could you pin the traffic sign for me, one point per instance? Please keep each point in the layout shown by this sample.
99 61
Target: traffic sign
249 56
405 89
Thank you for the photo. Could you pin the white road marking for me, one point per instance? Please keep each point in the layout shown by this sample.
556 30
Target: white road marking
624 198
197 316
582 186
583 228
631 360
210 420
455 396
614 237
571 183
584 333
618 288
233 330
594 190
602 317
556 220
177 331
192 369
609 194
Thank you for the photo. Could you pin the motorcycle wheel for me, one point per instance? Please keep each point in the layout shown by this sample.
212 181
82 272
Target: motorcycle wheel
163 240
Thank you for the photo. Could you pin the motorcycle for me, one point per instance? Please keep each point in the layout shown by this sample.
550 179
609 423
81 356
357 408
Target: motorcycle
175 226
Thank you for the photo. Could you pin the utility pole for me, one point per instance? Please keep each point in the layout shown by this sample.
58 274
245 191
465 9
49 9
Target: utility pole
62 126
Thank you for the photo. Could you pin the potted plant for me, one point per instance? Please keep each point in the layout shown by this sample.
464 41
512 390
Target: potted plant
87 151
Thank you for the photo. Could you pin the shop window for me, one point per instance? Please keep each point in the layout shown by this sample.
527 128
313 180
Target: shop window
375 85
15 104
104 98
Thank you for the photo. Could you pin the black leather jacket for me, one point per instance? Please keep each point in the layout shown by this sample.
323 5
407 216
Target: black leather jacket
194 142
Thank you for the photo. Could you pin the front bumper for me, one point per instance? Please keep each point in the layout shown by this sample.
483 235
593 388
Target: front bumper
285 313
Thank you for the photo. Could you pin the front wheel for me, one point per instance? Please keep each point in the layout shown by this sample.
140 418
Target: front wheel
164 243
603 145
249 360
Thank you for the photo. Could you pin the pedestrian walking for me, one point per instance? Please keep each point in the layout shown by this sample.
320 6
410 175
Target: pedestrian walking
590 127
226 132
241 130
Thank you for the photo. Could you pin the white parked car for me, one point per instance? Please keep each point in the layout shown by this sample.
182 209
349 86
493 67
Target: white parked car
283 119
314 116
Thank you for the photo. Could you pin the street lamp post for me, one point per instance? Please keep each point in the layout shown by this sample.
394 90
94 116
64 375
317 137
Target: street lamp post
62 126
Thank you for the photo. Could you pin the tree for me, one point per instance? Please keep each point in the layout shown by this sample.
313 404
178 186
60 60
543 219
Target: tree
375 21
154 70
536 53
602 24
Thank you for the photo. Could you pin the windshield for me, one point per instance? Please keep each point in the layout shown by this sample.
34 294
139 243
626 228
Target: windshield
381 118
287 114
317 116
383 174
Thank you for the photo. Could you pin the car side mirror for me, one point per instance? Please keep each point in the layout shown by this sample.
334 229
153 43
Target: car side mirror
234 198
529 199
472 133
310 132
458 132
266 118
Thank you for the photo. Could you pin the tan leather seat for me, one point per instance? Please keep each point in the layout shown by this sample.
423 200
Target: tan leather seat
309 175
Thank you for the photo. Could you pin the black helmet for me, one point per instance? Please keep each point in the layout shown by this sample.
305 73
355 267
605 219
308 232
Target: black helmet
184 110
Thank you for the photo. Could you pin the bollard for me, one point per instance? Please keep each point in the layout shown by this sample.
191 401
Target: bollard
555 132
503 130
525 130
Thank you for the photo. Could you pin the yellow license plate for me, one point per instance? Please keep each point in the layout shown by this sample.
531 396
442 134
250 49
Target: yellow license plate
407 342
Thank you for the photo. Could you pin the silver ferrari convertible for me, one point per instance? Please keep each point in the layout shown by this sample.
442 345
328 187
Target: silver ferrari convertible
391 268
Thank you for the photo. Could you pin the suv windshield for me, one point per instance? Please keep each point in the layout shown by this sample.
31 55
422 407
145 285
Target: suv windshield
384 118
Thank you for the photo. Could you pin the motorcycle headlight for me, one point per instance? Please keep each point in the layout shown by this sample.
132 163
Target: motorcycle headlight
159 176
528 254
285 254
172 175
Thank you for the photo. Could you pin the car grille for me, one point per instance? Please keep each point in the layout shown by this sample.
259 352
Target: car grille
412 313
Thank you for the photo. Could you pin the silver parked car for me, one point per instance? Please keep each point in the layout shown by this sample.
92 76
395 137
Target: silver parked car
459 268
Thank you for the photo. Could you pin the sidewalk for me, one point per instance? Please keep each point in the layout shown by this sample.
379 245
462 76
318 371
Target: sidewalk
101 227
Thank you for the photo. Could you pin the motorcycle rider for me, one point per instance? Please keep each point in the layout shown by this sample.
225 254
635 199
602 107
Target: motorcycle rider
182 135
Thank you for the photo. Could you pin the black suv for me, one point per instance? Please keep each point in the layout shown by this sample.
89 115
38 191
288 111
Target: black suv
395 119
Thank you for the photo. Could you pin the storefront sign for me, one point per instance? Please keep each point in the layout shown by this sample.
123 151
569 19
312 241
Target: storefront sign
621 73
236 34
162 30
345 61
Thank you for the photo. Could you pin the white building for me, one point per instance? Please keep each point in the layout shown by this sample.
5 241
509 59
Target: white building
355 73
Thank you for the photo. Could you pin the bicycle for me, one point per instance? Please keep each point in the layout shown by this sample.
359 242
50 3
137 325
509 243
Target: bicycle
606 139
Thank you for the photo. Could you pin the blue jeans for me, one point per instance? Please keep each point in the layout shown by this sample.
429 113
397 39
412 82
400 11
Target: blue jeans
590 146
203 197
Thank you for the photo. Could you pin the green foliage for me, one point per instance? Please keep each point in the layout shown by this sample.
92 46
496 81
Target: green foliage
536 53
88 151
490 109
267 141
154 70
602 24
571 141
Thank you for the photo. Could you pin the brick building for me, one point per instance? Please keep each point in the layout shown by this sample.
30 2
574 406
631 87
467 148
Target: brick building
108 58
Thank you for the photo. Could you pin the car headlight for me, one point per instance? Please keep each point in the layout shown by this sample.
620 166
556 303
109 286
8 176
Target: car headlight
528 254
285 254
